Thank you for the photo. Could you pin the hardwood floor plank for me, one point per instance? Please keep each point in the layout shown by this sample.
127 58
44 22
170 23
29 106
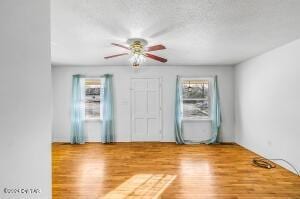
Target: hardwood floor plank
202 171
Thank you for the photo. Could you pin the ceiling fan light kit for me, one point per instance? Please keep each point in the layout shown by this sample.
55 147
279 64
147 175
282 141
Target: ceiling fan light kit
139 52
137 55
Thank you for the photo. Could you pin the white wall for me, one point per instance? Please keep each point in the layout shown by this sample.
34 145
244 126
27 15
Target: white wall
268 103
25 102
62 79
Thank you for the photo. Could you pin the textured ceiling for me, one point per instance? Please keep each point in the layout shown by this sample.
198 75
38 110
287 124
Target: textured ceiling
195 32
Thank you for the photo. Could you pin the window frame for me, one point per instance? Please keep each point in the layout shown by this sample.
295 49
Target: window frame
101 99
209 79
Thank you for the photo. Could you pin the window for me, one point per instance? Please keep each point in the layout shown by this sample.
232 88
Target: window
93 98
196 99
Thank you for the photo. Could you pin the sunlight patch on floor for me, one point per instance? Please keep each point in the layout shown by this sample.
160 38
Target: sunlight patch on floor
142 186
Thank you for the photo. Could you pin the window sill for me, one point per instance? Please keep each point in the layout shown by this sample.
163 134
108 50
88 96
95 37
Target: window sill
93 120
197 120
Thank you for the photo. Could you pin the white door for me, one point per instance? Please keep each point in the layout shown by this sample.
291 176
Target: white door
145 109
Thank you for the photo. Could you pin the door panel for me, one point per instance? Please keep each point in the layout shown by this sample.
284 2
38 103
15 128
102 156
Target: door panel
154 129
140 129
153 84
145 109
153 103
140 84
140 103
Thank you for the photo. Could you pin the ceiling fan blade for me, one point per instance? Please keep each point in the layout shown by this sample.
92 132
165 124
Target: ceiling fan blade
160 59
121 46
156 47
115 55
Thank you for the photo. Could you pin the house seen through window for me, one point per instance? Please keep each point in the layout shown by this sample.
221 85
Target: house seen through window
93 98
196 99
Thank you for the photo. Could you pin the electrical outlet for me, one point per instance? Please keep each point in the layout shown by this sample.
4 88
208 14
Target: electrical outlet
269 143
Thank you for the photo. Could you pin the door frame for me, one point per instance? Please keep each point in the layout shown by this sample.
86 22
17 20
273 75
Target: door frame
160 104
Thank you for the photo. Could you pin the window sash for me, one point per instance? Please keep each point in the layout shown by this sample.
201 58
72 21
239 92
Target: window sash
208 99
87 116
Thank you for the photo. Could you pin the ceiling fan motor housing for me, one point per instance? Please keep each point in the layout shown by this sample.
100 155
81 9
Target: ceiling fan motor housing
137 45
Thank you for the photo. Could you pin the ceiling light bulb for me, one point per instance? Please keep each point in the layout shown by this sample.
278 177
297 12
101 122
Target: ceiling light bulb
136 60
136 66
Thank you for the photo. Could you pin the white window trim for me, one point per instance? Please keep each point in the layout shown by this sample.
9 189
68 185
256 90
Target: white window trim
93 120
204 119
196 120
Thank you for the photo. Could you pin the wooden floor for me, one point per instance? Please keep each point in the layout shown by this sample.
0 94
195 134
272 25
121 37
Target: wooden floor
202 171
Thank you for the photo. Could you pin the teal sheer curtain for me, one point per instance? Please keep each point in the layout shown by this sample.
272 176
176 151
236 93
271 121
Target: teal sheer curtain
178 113
77 117
215 113
108 111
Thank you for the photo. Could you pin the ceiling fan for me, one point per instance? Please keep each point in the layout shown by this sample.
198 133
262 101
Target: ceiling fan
138 51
